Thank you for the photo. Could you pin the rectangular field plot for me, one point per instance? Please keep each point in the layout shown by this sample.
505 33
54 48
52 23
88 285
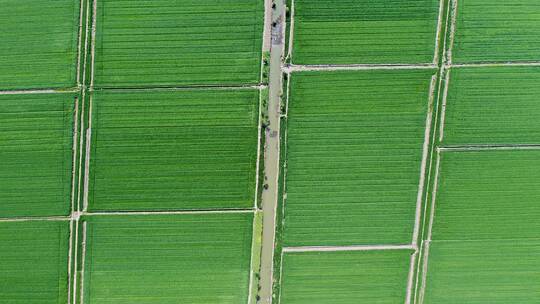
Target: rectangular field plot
350 277
354 152
497 31
172 150
497 105
39 43
178 42
196 259
353 31
36 132
486 243
34 262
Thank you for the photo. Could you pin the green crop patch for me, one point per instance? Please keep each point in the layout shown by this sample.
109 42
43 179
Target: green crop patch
348 277
39 43
34 262
497 31
36 132
172 150
178 42
352 31
354 152
485 245
497 105
196 259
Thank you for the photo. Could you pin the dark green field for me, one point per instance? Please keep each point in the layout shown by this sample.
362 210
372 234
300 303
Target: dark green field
36 132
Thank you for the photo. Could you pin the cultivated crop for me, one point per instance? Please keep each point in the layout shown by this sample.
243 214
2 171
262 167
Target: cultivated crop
36 132
345 277
496 105
188 149
352 31
354 149
167 43
196 259
34 262
39 43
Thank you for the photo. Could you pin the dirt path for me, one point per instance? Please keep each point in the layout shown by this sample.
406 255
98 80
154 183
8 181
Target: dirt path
271 155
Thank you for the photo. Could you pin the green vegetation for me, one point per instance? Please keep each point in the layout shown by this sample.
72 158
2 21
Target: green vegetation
352 31
170 150
256 254
188 149
501 31
350 277
178 42
485 234
497 105
39 43
34 262
36 132
196 259
354 150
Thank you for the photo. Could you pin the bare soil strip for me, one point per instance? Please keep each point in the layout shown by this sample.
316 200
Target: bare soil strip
79 43
75 260
40 91
494 64
452 29
70 253
83 261
252 210
425 152
36 218
87 159
430 228
74 151
348 248
410 278
93 49
303 68
291 32
439 30
443 106
489 147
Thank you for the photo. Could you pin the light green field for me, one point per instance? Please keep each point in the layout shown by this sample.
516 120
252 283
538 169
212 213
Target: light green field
351 277
188 149
34 262
354 150
178 42
36 136
196 259
39 43
497 105
488 31
486 247
353 31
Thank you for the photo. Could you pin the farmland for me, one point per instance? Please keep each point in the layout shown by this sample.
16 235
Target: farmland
495 105
377 277
178 42
354 150
188 149
485 228
190 258
348 32
36 131
501 31
38 52
34 264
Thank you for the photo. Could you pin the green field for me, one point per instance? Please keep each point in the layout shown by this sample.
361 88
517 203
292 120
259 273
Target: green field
170 150
354 150
486 246
39 43
196 259
34 262
351 277
497 31
497 105
352 31
178 42
36 132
